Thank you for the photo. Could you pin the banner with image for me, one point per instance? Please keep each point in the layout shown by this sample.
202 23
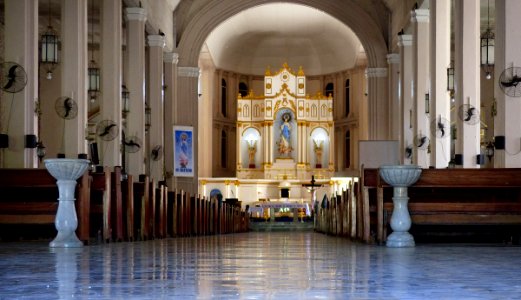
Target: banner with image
183 151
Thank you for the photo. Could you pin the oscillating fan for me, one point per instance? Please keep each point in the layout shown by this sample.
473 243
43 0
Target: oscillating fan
132 144
510 81
468 114
107 130
408 152
66 108
157 153
13 77
421 142
12 80
440 127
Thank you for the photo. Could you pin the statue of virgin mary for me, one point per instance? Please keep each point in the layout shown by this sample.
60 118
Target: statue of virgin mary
285 135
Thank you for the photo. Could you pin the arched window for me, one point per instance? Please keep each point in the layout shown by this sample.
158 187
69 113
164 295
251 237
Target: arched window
243 89
224 142
330 89
347 97
347 157
223 97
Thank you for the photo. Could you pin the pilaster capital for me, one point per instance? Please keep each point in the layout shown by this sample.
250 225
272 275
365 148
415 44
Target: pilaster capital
405 40
188 72
156 40
420 15
376 72
136 14
393 58
171 57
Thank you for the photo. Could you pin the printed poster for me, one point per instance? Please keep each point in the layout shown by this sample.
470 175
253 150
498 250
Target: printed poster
183 151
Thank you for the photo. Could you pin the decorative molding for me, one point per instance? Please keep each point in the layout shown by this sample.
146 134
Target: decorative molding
405 40
136 14
188 72
393 58
156 40
420 15
171 57
376 72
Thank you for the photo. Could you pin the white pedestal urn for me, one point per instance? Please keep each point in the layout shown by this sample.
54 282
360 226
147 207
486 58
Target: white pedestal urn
400 177
66 171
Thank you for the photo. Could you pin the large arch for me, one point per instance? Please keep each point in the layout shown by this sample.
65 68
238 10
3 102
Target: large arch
213 13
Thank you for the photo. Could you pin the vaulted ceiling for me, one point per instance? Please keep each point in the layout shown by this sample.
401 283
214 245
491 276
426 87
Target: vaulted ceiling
272 34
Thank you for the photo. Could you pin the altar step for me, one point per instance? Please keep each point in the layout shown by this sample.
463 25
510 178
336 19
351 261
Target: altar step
281 226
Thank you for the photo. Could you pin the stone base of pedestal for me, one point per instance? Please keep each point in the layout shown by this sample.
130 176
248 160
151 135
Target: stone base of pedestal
62 241
400 240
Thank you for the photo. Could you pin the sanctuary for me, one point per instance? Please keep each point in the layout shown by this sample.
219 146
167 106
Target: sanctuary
284 137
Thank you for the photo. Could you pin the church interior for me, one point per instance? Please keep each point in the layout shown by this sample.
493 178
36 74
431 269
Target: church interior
253 149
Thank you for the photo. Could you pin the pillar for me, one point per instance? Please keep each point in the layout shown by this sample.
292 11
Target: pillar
420 46
393 59
18 116
439 96
74 74
378 103
111 73
170 69
156 43
135 74
467 80
406 84
506 122
185 114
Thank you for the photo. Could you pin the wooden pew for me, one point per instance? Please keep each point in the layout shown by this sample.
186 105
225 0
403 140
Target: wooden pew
30 197
100 204
117 205
127 193
461 197
141 206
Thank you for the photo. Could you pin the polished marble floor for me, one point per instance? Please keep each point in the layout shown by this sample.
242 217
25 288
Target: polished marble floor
281 265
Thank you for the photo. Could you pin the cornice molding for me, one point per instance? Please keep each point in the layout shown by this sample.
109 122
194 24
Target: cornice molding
136 14
156 40
170 57
393 58
420 15
188 72
405 40
376 72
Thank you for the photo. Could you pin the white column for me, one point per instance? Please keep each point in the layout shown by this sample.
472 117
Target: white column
331 134
17 109
393 59
420 45
406 85
185 109
74 74
111 72
439 96
156 43
136 18
467 79
506 122
378 103
170 59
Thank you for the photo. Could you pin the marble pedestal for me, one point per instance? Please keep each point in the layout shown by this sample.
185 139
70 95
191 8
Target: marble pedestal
400 177
66 171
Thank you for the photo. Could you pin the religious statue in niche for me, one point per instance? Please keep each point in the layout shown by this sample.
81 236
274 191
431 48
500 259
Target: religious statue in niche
252 149
285 148
318 152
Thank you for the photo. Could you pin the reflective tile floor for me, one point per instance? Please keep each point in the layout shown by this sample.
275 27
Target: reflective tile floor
282 265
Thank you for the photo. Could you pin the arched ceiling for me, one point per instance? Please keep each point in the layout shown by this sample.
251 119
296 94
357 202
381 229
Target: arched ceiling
271 34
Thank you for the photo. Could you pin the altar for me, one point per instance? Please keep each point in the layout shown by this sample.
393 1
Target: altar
286 132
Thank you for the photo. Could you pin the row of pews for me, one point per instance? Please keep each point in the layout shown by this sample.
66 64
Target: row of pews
443 203
448 202
110 208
